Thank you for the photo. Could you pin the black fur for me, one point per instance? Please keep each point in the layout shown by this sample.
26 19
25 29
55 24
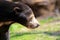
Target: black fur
14 12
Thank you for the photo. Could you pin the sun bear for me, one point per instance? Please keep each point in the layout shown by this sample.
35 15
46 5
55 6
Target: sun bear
11 12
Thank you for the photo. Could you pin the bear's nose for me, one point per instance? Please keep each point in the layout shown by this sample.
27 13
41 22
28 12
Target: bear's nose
37 25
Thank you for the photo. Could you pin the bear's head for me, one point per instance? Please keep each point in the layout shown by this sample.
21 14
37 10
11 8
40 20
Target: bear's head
25 16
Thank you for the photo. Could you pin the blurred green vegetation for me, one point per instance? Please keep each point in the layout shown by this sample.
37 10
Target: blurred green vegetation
49 30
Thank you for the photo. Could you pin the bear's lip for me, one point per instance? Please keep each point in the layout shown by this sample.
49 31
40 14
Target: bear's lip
32 26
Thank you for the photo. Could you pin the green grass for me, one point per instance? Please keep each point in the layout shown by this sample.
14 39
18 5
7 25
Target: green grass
47 31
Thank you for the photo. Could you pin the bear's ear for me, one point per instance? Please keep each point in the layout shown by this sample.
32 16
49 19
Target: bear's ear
17 9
